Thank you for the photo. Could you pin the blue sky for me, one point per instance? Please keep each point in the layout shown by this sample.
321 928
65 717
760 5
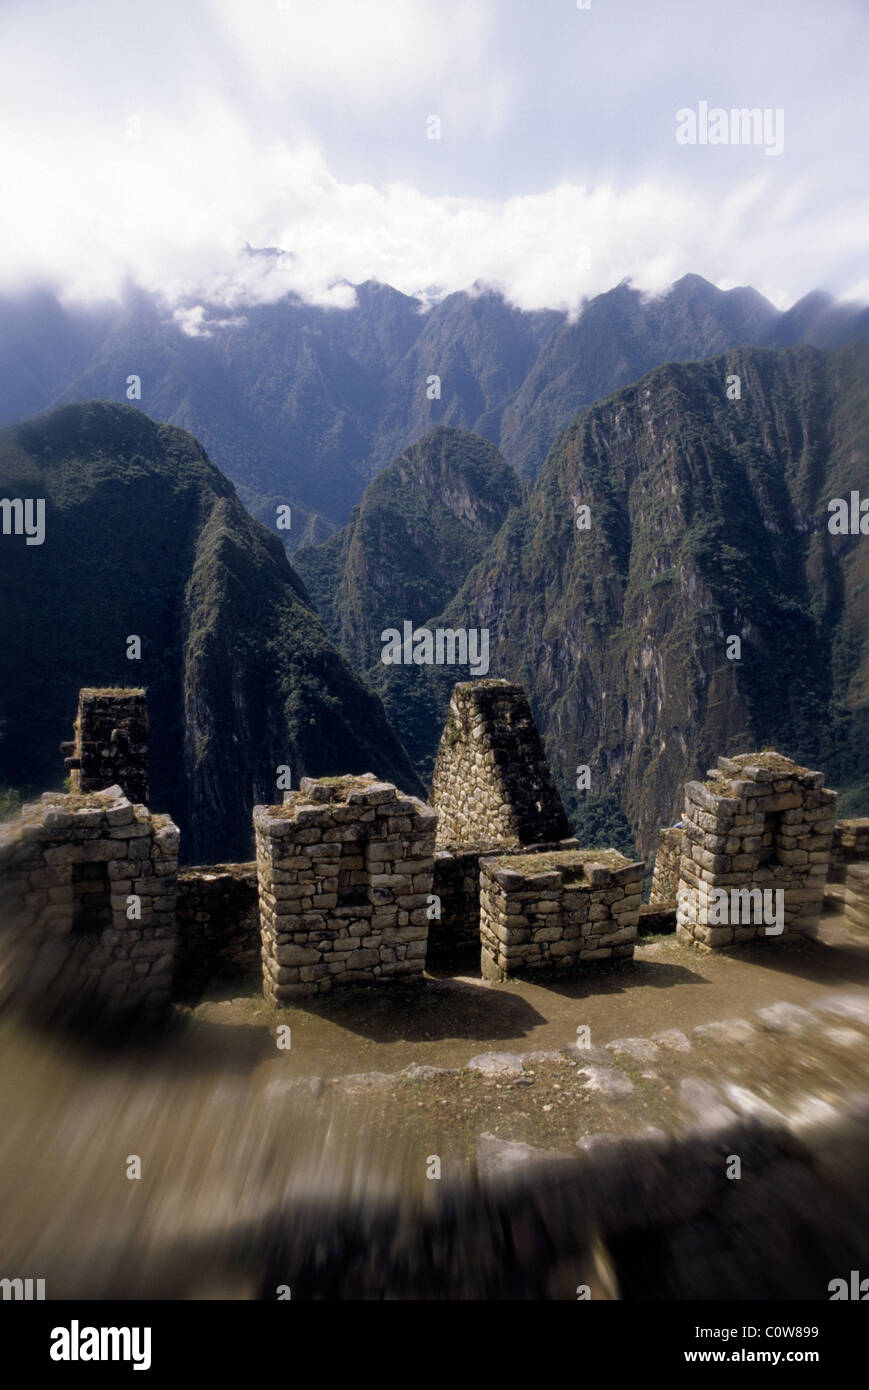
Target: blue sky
150 141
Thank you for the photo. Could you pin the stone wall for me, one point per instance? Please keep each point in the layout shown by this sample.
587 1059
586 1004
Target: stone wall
218 928
759 825
345 875
857 897
665 879
71 867
111 743
573 908
456 882
850 846
492 782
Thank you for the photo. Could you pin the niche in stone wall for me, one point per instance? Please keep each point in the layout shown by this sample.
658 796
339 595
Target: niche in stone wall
91 900
352 877
769 847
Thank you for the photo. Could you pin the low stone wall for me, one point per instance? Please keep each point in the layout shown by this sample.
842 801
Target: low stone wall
87 908
218 928
850 846
345 877
665 879
456 882
577 907
857 897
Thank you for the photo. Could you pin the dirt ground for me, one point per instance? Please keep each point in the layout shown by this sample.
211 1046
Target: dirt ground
227 1124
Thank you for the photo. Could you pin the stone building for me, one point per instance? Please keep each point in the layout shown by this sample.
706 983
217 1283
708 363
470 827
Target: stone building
345 877
110 747
87 908
756 844
492 783
558 911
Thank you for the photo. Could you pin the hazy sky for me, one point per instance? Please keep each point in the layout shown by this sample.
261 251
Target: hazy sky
148 140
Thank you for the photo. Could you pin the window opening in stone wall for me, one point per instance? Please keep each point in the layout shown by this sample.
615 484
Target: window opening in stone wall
91 898
352 878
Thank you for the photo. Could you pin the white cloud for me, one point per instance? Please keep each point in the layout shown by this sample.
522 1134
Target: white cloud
162 148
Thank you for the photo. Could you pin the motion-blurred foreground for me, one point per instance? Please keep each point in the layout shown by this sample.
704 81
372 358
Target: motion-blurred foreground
706 1160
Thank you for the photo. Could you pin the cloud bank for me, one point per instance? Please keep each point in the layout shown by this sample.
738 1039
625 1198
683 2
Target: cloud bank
156 147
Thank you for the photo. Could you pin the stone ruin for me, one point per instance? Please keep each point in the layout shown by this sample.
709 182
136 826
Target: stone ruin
492 783
562 911
494 793
218 927
111 743
857 898
87 903
850 846
345 874
665 877
759 825
356 883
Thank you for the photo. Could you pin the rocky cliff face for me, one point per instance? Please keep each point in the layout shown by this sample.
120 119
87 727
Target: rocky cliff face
302 405
422 525
707 522
144 537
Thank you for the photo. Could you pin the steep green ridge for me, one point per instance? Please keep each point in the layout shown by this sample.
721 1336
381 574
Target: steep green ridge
304 405
422 525
145 536
709 519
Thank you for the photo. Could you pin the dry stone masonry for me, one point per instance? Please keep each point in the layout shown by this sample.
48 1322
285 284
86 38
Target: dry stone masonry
492 782
456 881
665 879
111 743
345 876
558 911
87 907
457 885
850 846
857 898
356 883
760 825
218 928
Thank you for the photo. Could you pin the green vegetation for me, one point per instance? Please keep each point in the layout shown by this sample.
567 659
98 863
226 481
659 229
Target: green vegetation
145 536
708 519
423 524
566 860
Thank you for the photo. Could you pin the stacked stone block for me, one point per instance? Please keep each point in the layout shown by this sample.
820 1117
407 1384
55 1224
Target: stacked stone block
345 876
850 846
557 912
87 908
218 928
665 878
760 822
456 883
111 743
857 898
492 782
